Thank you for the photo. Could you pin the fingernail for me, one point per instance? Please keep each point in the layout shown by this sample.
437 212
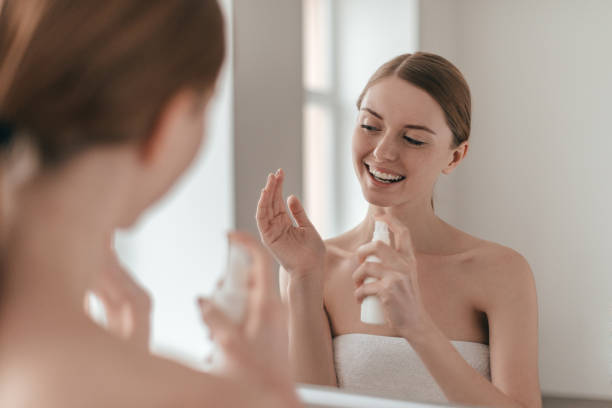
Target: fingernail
277 172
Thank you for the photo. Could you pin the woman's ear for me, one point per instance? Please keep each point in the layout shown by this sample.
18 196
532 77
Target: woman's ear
457 155
169 118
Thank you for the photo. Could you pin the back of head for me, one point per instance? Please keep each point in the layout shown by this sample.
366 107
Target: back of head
76 74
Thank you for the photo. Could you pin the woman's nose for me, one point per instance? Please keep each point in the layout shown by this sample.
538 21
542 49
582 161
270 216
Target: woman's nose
386 150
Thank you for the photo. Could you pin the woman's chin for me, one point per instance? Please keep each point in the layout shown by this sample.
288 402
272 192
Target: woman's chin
379 200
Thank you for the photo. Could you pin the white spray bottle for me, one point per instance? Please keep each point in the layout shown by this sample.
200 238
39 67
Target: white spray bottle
232 296
372 311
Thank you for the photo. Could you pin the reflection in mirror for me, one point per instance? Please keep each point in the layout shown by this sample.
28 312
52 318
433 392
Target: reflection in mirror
533 180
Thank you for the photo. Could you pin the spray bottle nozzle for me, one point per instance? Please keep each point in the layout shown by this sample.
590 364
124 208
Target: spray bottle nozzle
381 232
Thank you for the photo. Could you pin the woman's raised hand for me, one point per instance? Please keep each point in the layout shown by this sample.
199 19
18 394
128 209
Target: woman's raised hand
396 283
298 248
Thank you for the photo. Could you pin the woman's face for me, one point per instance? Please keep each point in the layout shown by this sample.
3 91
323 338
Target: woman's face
401 144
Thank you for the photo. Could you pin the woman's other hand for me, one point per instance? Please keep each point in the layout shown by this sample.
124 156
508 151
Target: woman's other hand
256 349
127 305
396 283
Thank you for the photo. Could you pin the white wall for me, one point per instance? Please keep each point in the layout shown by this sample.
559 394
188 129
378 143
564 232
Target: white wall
178 249
267 100
537 176
366 35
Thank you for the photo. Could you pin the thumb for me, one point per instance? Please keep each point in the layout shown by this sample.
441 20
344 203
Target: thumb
298 212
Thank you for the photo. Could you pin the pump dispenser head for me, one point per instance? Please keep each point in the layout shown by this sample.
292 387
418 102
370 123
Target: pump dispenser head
381 232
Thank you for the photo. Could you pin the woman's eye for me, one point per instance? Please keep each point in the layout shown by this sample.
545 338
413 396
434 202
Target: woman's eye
413 141
369 128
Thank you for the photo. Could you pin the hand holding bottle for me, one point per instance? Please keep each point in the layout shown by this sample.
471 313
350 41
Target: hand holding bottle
396 280
127 305
257 346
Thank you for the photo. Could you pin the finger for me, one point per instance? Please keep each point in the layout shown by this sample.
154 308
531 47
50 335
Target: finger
368 270
368 289
279 203
401 234
119 319
379 249
132 292
298 213
225 332
111 297
269 182
262 214
264 211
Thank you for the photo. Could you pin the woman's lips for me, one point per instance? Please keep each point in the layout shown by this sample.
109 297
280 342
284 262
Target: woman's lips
382 176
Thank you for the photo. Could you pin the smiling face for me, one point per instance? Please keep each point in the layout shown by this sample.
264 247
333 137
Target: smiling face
401 144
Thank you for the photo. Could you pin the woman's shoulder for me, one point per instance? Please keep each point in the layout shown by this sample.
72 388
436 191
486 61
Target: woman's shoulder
494 258
499 270
98 370
486 256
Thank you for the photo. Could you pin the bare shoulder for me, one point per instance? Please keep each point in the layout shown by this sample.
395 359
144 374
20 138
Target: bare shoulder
504 275
97 370
501 261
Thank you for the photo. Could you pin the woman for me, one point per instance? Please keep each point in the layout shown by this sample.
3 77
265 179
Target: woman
113 94
461 312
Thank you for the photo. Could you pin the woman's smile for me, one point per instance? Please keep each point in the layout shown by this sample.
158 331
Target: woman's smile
382 176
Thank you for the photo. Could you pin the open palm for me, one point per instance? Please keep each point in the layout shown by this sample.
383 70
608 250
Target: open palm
298 248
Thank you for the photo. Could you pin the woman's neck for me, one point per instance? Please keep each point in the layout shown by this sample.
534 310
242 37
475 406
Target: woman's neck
427 230
61 234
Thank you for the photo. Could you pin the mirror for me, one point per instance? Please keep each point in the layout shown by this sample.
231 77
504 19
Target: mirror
535 178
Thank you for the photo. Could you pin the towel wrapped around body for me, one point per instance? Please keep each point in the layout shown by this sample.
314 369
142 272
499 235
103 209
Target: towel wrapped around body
389 366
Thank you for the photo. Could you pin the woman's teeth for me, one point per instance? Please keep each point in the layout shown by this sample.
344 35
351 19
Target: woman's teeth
384 177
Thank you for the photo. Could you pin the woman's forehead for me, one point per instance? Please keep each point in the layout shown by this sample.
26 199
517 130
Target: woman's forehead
397 100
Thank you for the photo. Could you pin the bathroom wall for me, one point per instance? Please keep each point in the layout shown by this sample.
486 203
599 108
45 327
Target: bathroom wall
267 100
536 176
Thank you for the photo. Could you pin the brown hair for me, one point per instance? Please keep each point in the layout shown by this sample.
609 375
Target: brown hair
440 79
80 73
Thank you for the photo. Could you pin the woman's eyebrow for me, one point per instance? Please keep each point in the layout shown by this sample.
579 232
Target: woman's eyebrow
417 127
420 127
378 115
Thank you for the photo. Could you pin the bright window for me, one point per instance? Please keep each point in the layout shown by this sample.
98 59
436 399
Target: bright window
344 42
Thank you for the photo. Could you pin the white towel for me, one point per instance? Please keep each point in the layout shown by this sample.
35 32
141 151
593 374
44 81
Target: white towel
389 366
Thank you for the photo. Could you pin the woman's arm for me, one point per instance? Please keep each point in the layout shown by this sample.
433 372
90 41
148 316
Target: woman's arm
512 313
310 341
300 251
513 324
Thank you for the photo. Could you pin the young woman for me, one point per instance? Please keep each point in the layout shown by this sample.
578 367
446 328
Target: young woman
461 312
113 94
